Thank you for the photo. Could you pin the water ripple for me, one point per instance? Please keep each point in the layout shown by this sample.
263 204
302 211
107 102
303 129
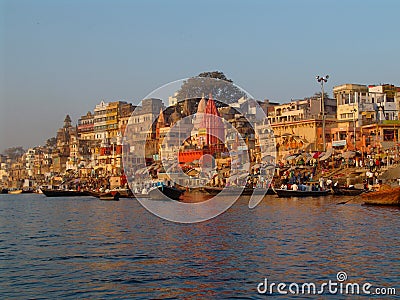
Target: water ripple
84 248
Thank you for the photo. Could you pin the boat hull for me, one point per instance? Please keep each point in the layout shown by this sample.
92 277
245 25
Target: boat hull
165 192
111 196
27 191
60 193
291 193
389 197
122 193
342 191
15 192
236 190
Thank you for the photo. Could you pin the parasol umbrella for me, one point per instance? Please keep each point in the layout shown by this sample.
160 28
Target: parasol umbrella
348 154
326 155
316 154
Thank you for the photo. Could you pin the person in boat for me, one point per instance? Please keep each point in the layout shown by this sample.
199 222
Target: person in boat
295 187
316 188
303 187
321 183
328 183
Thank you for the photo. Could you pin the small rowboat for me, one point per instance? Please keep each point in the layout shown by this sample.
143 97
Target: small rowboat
290 193
165 192
387 196
15 192
110 196
244 191
347 191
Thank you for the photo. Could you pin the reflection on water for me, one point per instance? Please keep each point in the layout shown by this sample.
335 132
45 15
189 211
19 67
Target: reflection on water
82 247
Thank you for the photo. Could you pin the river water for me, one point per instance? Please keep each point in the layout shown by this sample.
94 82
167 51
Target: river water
53 248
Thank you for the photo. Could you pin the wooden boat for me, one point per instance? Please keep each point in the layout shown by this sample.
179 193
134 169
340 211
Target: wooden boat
15 192
29 191
247 191
257 191
212 190
164 192
298 193
95 194
123 193
347 191
62 193
387 196
110 196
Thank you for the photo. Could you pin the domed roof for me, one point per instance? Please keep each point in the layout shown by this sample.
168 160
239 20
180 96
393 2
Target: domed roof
202 105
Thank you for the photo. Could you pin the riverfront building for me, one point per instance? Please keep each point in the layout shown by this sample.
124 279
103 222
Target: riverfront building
359 117
359 109
86 127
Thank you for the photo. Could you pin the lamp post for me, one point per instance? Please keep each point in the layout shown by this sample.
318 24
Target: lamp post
322 80
354 127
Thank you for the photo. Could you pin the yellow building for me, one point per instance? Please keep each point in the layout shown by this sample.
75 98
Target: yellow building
305 135
117 117
112 119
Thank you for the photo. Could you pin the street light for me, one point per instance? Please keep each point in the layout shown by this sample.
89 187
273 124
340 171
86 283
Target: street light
322 80
354 110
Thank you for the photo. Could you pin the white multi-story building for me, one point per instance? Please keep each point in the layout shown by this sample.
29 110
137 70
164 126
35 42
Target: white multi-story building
364 105
173 100
303 109
30 161
100 121
383 96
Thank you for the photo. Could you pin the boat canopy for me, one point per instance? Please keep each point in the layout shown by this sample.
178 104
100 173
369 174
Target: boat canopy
327 154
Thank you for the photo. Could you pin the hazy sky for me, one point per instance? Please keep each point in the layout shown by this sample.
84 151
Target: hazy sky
63 57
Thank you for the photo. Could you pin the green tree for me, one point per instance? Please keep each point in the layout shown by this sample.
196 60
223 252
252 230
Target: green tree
221 89
51 142
318 95
14 152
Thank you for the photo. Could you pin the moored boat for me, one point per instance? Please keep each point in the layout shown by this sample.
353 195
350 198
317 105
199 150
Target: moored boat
212 190
123 193
247 191
257 191
28 191
164 192
4 191
298 193
387 196
347 191
62 193
15 192
110 196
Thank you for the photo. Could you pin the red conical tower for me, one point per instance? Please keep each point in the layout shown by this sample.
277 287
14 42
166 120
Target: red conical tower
213 124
